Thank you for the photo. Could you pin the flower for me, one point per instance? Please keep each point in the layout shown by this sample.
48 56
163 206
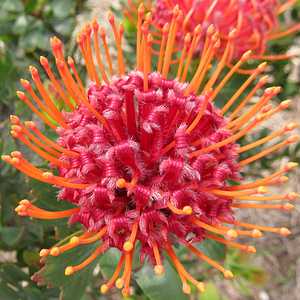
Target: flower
255 22
147 158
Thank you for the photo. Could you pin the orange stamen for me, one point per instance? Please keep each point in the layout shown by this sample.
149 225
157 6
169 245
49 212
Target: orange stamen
105 287
128 245
42 116
289 127
118 40
71 64
286 207
106 49
55 113
37 150
232 234
222 62
32 126
187 41
159 268
21 129
44 62
232 71
183 273
282 231
269 93
127 274
98 52
243 87
288 141
72 269
195 42
232 244
227 274
266 180
141 12
281 34
187 210
262 81
177 15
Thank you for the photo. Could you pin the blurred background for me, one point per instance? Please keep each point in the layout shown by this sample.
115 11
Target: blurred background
25 28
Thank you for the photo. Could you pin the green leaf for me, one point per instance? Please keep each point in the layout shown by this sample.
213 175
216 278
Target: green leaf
11 236
63 9
7 292
73 287
109 261
15 6
163 287
12 274
211 292
213 249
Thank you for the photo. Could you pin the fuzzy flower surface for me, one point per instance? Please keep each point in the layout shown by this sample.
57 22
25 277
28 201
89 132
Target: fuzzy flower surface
255 22
148 160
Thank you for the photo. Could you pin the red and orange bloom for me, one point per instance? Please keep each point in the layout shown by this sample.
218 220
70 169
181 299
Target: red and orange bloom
256 22
146 158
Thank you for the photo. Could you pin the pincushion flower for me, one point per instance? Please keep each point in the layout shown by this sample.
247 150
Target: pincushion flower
256 22
147 159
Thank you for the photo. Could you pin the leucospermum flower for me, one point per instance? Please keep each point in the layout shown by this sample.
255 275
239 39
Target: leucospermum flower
147 159
256 22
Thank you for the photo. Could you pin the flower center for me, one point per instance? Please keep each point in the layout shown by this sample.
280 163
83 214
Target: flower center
145 165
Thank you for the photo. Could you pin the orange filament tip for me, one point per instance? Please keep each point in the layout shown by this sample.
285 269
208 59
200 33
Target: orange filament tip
293 139
121 183
262 190
15 161
30 124
228 274
187 210
75 240
256 233
48 175
246 55
283 179
14 119
128 246
70 61
285 104
291 126
291 165
119 283
111 18
55 251
292 196
25 202
201 287
44 61
284 231
210 29
44 252
17 154
232 234
34 72
250 249
104 288
288 207
69 271
159 270
25 83
186 288
126 292
6 158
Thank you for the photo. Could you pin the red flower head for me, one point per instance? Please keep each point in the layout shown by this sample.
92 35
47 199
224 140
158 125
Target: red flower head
254 22
146 158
